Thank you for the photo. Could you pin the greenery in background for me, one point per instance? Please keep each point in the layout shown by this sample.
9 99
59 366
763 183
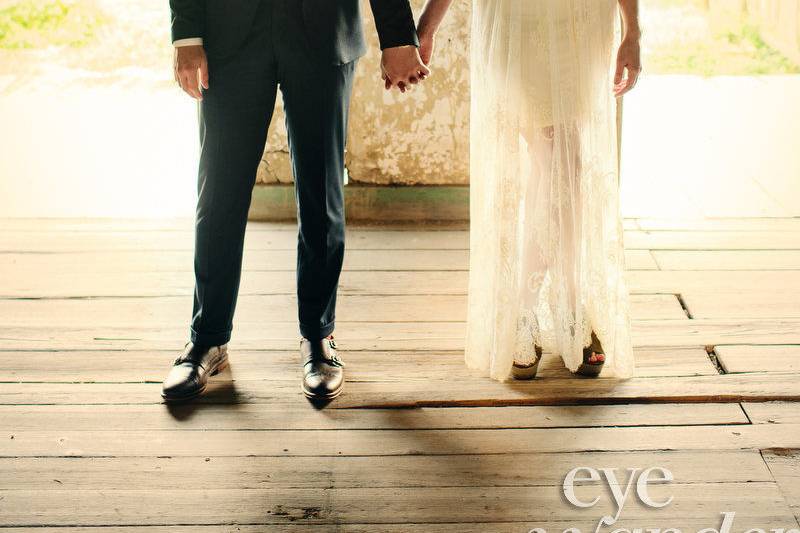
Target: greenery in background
102 35
41 23
680 38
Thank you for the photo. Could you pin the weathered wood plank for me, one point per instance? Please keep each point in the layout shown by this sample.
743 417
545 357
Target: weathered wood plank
727 259
89 282
712 240
376 442
773 412
76 263
398 336
757 358
679 523
766 304
187 224
544 469
46 276
284 238
138 284
719 388
273 335
298 416
722 281
711 331
785 467
639 260
105 225
258 310
103 367
715 224
271 239
32 265
466 391
181 284
378 505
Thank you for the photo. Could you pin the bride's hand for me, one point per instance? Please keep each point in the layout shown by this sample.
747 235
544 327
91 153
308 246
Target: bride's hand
628 58
427 43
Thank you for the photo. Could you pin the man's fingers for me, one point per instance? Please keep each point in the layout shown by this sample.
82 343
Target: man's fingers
194 84
204 74
424 70
190 84
184 83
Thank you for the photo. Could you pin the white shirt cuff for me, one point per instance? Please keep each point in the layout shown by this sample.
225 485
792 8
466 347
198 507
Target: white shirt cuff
191 41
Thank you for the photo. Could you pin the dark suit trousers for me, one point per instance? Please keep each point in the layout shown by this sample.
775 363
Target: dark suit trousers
234 117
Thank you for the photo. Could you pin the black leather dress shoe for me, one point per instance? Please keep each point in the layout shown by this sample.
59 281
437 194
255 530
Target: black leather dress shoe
189 375
323 374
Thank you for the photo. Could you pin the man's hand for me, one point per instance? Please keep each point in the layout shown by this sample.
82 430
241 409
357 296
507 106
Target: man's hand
402 67
191 70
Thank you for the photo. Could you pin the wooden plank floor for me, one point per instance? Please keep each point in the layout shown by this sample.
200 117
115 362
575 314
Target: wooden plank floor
92 312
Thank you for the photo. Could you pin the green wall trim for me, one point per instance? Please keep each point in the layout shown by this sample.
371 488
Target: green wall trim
429 203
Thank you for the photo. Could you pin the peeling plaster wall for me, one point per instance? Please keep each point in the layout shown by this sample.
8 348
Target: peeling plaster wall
420 137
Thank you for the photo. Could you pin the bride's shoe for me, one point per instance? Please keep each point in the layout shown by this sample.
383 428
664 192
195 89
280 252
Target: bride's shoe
527 370
591 368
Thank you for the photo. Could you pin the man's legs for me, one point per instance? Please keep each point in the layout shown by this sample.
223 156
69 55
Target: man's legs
234 117
316 102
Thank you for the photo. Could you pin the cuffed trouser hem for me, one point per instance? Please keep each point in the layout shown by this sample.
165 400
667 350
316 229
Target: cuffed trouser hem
210 339
316 333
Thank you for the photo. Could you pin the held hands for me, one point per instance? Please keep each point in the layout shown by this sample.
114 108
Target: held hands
191 70
628 58
402 67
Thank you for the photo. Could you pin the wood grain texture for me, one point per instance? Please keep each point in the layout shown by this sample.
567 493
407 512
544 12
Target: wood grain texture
396 336
708 260
784 465
98 366
92 312
299 416
681 523
253 310
468 505
468 391
759 358
480 470
773 412
68 443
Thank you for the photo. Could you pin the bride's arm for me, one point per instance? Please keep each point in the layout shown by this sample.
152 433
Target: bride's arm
630 18
628 56
432 15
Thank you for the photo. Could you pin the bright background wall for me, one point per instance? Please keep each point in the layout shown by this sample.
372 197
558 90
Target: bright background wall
92 124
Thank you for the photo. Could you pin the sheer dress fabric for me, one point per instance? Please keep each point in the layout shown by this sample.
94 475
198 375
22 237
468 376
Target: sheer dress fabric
546 248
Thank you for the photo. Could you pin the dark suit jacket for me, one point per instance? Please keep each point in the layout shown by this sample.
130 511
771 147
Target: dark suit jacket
333 27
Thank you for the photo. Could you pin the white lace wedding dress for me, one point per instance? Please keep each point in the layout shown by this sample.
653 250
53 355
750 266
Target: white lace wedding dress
546 259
